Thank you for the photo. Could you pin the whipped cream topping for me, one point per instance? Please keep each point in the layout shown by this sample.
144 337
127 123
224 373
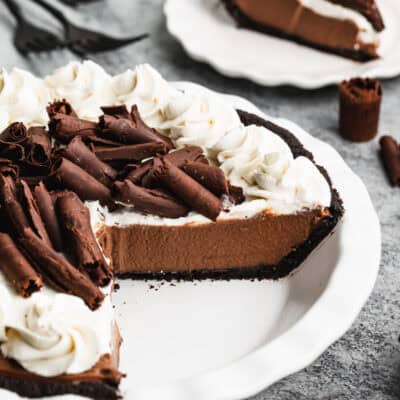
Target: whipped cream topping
53 333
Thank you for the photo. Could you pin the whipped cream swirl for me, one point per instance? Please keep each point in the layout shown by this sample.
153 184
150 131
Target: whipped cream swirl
23 98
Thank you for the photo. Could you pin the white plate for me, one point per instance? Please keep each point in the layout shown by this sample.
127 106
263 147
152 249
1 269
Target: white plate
229 340
209 34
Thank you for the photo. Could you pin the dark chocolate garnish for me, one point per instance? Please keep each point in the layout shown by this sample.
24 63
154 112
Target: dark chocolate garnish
390 150
60 107
14 133
65 127
9 168
39 147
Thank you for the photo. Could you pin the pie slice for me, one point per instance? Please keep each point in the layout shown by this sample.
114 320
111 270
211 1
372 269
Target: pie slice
349 28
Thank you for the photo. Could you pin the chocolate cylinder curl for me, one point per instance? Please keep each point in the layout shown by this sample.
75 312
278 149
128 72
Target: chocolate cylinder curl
360 102
187 189
391 158
58 272
80 240
148 201
65 127
8 168
39 145
14 133
17 269
47 212
70 176
60 107
77 152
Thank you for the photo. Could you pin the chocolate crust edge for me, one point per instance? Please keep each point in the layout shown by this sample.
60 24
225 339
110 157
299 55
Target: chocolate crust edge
295 258
245 22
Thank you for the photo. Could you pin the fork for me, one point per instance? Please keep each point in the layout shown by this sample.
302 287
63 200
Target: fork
82 41
28 37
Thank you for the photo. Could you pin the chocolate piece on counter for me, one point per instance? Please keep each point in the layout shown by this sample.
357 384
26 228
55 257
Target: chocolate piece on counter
60 107
14 133
17 269
77 152
39 145
32 210
65 127
390 151
178 158
156 202
58 272
360 102
47 212
72 177
210 176
130 153
187 189
80 240
15 215
8 168
129 131
236 195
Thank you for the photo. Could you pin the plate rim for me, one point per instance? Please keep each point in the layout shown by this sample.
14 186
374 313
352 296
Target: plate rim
375 68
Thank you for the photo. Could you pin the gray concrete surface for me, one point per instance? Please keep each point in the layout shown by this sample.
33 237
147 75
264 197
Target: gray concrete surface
365 363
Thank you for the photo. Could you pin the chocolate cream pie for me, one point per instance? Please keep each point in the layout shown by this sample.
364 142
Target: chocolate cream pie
349 28
104 177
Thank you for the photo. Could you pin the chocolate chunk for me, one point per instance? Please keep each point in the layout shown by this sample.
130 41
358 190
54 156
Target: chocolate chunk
39 145
133 130
65 127
47 212
58 272
187 189
17 269
14 133
72 177
178 158
360 102
14 213
60 107
32 210
80 240
210 176
391 158
156 202
131 153
236 194
77 152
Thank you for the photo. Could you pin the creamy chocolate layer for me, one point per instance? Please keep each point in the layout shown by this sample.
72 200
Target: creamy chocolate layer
293 19
263 240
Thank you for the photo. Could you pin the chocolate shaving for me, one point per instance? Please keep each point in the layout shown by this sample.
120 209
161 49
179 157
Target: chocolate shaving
72 177
8 168
39 145
32 181
78 153
33 213
14 133
60 107
47 211
12 151
156 202
210 176
58 272
133 130
80 240
65 127
391 158
236 194
187 189
17 269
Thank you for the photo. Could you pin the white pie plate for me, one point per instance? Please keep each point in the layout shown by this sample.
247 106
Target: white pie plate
229 340
209 34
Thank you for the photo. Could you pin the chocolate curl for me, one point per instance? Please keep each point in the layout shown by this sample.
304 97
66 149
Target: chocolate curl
72 177
32 181
178 158
12 151
34 214
16 218
58 272
17 269
47 212
131 153
65 127
14 133
131 130
77 152
148 201
60 107
210 176
187 189
80 239
236 194
39 145
8 168
391 158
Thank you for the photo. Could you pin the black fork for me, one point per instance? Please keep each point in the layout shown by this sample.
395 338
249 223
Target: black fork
29 38
83 41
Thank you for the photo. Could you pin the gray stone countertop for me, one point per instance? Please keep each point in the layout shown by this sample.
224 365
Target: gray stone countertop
365 363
